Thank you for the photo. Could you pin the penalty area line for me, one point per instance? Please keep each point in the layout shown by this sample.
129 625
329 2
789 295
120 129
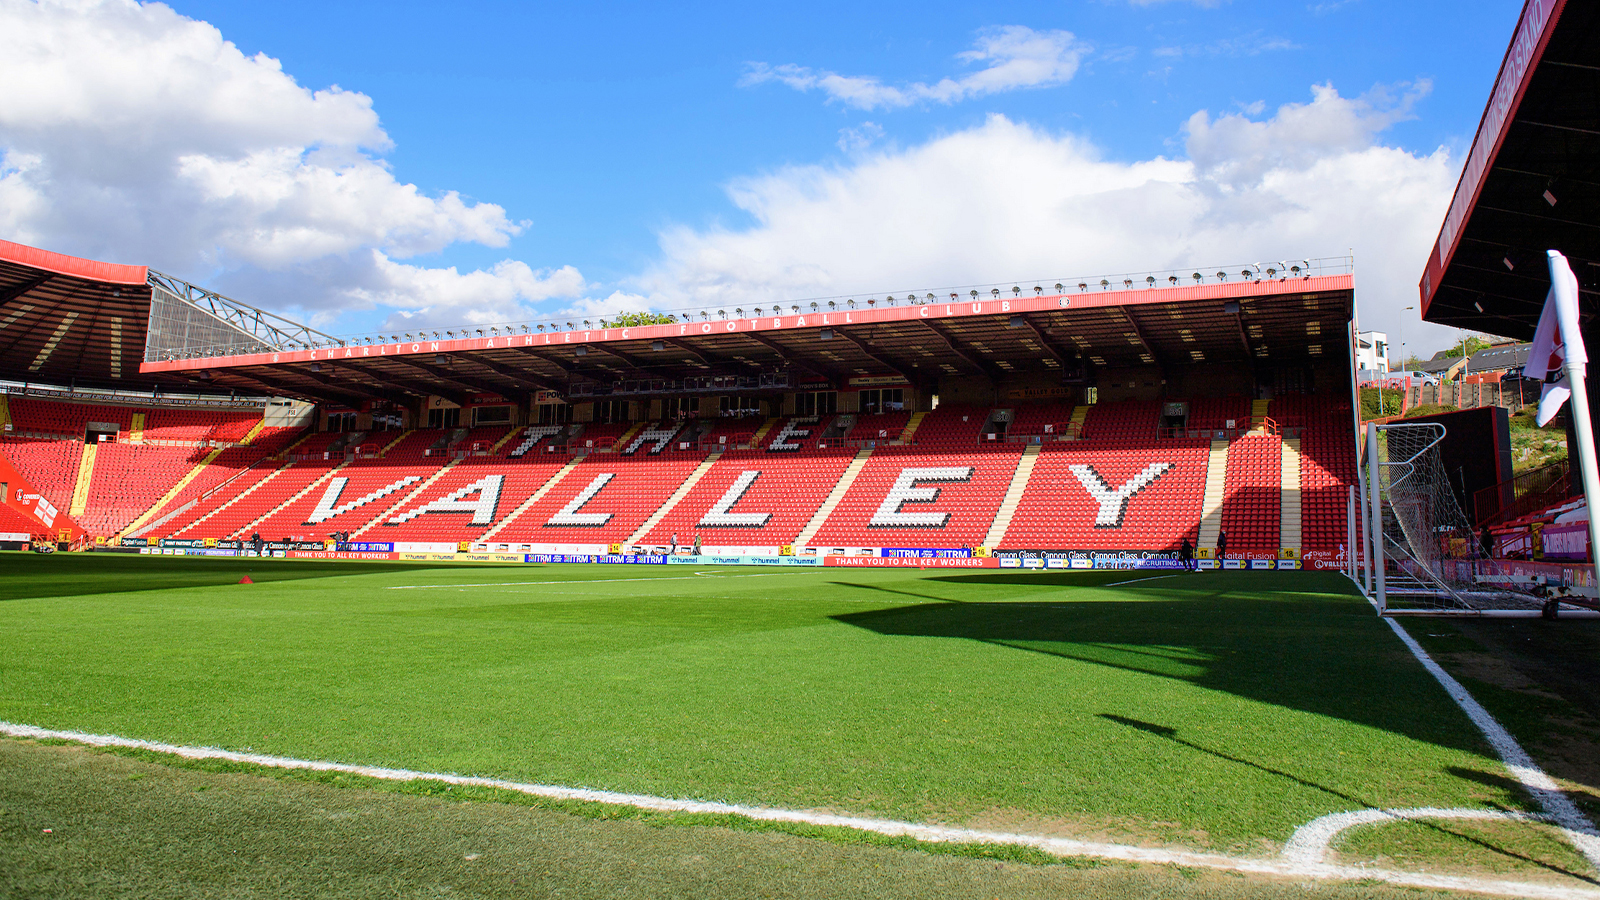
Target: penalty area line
1282 866
1137 580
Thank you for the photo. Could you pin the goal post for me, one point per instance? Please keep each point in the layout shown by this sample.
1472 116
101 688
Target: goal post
1421 555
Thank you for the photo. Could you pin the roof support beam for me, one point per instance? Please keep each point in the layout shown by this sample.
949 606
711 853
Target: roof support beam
708 358
1138 334
523 376
343 387
963 353
466 381
876 355
1056 351
12 293
420 388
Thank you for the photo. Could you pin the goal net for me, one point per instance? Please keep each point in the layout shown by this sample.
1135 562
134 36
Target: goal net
1424 551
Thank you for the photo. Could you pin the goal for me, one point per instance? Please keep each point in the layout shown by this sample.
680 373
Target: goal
1421 554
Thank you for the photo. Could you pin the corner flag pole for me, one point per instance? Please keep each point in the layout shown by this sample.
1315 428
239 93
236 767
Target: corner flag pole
1565 285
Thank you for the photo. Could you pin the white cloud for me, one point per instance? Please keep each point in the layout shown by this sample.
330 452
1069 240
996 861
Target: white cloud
131 132
1013 57
1006 200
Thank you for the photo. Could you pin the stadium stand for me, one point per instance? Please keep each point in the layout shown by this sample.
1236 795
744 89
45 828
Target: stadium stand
1251 496
730 507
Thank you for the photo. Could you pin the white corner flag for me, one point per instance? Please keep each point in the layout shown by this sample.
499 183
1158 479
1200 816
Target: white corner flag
1556 341
1558 359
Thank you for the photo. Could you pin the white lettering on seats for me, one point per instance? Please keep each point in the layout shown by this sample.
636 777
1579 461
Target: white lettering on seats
569 514
533 435
1114 503
325 507
905 491
784 442
660 437
719 517
483 509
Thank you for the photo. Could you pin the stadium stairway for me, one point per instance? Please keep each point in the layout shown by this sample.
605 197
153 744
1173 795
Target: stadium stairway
5 412
1289 532
254 432
1216 490
626 436
533 498
236 498
834 497
910 432
80 491
1008 506
677 497
136 428
761 433
174 491
1258 414
315 483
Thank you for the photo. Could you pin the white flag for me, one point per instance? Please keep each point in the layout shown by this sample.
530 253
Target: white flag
1556 341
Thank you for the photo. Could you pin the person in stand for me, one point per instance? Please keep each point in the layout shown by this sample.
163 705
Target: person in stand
1485 543
697 545
674 543
1222 548
1186 555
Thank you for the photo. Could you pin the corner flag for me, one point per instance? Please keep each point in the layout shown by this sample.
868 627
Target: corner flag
1556 341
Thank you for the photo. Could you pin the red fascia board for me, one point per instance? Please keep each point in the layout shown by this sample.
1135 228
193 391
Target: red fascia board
805 322
1528 44
62 264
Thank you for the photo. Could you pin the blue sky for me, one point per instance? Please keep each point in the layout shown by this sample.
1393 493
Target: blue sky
647 156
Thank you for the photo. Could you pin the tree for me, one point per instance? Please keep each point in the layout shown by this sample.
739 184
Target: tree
635 319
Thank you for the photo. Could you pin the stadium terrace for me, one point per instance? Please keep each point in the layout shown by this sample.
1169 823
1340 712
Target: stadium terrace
1091 423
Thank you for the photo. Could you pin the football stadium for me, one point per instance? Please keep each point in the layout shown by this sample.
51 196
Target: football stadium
1100 587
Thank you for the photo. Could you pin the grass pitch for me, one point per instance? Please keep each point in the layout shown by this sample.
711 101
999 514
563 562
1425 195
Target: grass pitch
1217 711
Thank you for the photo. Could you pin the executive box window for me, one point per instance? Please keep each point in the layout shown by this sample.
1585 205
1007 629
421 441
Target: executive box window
444 418
816 403
882 401
608 411
554 413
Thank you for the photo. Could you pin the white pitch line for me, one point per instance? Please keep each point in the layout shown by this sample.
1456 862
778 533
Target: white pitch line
1310 843
1137 580
418 587
1066 847
1557 805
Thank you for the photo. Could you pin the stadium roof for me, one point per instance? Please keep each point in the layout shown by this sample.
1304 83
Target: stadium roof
65 319
70 321
1021 332
1531 181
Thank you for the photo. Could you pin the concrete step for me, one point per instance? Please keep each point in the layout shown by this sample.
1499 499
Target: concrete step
834 496
677 496
1216 487
535 498
1008 506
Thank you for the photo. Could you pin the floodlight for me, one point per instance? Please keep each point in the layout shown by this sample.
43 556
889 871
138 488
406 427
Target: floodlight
1172 280
408 336
1037 290
795 310
1016 322
974 295
722 314
831 306
539 328
872 302
995 292
1150 280
930 298
704 315
495 329
1272 271
1127 283
1104 284
889 300
1245 274
658 346
738 311
1197 277
1222 276
850 303
1016 291
587 323
570 327
582 351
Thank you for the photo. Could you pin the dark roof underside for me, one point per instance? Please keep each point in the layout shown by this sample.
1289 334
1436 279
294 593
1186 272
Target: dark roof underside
1550 144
